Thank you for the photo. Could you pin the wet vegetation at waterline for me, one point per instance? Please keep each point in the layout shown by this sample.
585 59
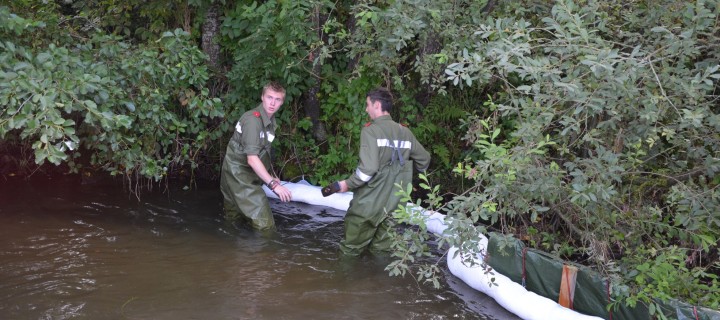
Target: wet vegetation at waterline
589 130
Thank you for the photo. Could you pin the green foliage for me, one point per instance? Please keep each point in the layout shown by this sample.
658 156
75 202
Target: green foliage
343 110
136 19
267 41
411 252
665 276
388 38
14 24
597 110
410 244
135 111
438 127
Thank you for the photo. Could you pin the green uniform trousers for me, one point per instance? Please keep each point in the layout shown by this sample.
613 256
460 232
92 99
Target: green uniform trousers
243 196
366 221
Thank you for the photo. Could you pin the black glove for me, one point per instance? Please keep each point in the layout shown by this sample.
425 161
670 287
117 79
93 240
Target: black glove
332 188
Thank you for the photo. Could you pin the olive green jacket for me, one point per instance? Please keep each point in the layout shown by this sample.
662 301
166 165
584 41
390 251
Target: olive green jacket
254 133
382 141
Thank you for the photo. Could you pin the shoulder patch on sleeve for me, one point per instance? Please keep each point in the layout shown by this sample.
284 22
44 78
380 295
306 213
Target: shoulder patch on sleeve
256 114
368 123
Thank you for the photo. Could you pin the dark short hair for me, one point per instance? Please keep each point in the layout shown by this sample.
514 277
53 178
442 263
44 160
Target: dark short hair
382 95
274 86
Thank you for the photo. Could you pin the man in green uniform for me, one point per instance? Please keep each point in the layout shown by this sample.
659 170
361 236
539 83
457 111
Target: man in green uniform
388 152
244 169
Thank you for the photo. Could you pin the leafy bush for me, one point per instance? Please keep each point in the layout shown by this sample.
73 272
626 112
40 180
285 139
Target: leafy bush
614 139
136 111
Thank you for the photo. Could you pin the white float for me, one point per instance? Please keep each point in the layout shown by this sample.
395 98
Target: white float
507 293
304 192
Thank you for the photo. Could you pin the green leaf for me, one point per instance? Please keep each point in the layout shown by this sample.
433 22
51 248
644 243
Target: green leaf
21 66
90 104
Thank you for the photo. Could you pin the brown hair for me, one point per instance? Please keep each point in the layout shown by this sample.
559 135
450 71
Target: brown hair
382 95
274 86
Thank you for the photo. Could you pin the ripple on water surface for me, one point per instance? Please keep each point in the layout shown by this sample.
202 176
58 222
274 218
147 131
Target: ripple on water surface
94 252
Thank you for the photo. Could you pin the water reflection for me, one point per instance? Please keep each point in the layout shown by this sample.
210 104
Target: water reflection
94 252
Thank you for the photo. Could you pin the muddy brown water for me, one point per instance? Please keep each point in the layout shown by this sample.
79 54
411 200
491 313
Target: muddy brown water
70 251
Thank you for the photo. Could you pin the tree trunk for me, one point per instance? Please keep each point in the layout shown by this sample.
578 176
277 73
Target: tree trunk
430 46
490 6
310 101
350 25
210 29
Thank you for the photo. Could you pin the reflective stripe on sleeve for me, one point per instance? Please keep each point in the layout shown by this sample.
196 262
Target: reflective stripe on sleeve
398 143
362 176
238 127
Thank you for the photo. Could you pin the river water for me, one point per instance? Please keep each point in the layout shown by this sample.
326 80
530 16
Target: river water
71 251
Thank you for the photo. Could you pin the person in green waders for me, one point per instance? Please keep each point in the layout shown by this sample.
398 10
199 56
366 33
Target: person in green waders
388 152
246 163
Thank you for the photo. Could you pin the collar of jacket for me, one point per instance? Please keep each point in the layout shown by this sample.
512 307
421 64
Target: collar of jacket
382 118
266 120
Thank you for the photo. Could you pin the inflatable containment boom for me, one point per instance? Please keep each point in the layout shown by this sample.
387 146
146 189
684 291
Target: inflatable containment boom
507 293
